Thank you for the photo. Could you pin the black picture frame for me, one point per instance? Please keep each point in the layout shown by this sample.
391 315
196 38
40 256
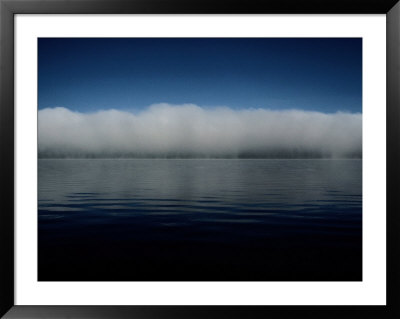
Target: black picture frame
8 8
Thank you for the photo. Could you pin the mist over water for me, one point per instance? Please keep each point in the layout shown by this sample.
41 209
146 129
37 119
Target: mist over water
190 131
260 180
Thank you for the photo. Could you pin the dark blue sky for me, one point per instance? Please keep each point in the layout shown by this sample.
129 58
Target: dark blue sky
132 73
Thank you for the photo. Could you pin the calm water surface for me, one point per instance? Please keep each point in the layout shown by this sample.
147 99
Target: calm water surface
155 219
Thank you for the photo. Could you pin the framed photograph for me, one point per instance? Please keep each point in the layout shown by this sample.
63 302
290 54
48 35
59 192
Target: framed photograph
172 159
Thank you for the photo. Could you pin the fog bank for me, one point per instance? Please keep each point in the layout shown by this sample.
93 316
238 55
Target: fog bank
187 131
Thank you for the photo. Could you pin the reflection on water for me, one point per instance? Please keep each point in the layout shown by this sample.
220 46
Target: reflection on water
200 219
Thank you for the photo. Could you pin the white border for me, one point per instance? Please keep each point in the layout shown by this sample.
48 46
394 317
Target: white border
372 28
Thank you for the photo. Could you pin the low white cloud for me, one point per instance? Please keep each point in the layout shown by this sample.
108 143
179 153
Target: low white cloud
188 130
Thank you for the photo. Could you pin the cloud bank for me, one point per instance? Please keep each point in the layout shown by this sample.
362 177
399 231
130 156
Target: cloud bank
187 131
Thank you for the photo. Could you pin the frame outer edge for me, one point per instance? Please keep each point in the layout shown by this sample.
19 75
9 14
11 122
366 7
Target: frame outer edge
6 158
201 6
393 156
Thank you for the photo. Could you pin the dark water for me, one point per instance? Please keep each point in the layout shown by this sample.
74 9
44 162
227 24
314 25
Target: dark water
143 220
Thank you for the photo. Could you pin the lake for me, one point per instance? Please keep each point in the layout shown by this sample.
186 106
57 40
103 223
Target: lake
199 220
